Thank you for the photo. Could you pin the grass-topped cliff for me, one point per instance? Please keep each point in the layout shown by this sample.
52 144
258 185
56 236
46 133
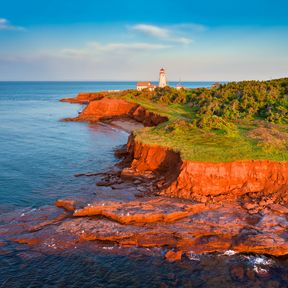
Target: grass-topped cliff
227 122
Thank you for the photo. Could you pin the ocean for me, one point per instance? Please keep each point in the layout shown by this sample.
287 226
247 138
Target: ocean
39 155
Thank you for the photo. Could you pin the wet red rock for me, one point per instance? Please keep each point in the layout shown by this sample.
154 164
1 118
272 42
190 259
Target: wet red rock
142 211
162 222
173 256
279 208
69 205
237 272
26 240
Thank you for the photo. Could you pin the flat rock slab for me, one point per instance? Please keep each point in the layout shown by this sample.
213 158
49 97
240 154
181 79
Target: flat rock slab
175 224
141 211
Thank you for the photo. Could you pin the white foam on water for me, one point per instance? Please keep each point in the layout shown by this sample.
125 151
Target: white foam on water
260 270
108 248
28 212
193 256
229 252
261 260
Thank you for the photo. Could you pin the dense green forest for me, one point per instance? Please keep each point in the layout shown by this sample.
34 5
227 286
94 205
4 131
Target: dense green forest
248 100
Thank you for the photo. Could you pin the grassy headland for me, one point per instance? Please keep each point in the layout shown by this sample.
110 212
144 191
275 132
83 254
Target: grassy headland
235 121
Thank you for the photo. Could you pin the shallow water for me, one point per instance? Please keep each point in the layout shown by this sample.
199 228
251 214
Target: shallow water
84 267
39 156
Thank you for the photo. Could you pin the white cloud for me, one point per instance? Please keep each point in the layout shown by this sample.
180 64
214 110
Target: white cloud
182 40
127 46
94 48
5 25
152 30
172 34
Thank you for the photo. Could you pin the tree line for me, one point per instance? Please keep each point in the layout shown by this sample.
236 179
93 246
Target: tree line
248 100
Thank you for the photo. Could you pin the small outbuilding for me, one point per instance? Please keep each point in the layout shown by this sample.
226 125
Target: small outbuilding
145 85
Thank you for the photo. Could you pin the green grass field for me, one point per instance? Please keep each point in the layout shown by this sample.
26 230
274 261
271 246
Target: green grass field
210 146
248 140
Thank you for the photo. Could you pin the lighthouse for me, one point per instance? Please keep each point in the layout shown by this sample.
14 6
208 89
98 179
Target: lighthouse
162 78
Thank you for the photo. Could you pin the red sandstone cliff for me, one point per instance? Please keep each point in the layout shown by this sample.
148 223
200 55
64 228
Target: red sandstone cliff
106 108
199 181
234 178
202 181
112 108
85 97
189 179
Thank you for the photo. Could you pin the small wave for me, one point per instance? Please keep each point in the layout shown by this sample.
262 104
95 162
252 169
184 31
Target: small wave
27 212
193 256
260 260
229 253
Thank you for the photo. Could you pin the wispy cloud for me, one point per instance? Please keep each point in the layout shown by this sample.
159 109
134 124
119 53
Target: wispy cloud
127 46
172 34
5 25
191 27
94 48
152 30
75 53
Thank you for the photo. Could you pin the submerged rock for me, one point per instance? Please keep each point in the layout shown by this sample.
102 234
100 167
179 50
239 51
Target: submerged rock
69 205
173 256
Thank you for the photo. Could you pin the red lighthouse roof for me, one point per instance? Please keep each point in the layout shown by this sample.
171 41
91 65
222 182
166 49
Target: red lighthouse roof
162 70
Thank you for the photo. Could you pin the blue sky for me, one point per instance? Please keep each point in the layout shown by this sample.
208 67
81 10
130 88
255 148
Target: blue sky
131 40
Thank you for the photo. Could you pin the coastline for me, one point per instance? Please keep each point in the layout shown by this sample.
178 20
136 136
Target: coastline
247 209
127 216
144 201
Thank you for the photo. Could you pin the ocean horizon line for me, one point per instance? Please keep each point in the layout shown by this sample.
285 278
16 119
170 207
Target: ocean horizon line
115 81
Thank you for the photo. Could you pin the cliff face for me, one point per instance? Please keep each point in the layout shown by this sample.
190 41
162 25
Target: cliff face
199 181
104 108
160 160
202 181
235 178
147 118
112 108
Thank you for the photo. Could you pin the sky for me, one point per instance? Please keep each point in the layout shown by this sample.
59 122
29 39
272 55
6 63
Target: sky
90 40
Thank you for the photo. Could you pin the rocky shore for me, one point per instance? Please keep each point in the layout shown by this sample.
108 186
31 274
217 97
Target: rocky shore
153 198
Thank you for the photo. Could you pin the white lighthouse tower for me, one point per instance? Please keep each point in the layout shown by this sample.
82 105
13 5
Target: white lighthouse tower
162 78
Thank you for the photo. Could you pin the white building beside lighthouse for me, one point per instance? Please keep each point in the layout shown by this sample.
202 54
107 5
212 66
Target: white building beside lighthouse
147 85
162 78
